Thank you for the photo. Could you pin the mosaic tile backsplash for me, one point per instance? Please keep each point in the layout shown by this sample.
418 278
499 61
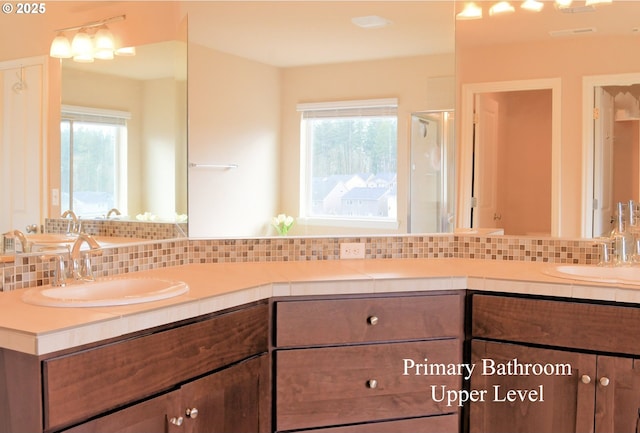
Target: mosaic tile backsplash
30 271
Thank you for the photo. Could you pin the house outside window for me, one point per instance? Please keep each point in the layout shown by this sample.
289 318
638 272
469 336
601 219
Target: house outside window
349 161
93 160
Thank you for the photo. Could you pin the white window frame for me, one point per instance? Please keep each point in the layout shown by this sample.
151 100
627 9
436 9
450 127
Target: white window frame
355 107
114 117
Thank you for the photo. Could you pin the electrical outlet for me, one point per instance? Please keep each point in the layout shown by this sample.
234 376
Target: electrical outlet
352 250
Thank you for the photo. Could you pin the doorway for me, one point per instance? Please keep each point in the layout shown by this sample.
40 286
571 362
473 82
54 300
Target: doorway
510 157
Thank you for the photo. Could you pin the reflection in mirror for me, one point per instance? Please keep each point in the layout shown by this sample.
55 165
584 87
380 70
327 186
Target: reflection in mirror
124 135
537 46
432 172
616 150
253 63
512 162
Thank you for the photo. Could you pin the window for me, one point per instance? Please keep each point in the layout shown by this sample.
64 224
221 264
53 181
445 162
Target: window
349 161
93 160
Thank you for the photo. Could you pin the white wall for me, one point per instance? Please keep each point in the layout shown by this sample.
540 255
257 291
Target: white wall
234 118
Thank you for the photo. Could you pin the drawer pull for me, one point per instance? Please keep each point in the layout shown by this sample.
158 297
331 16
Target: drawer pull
585 379
192 413
372 383
176 421
372 320
604 381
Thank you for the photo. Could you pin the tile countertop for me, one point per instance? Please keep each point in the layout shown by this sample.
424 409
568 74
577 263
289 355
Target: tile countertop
214 287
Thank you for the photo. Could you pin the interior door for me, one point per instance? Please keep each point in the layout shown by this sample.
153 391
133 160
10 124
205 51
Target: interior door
21 144
602 162
485 213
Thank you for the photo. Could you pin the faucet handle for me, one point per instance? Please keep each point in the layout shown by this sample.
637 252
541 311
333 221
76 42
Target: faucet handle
59 278
85 267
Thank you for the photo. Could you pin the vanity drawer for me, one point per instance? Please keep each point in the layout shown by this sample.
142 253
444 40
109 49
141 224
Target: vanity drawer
576 325
80 385
332 385
346 321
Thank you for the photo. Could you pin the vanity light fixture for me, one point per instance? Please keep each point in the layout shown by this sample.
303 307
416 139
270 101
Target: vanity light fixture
92 41
503 7
532 5
472 11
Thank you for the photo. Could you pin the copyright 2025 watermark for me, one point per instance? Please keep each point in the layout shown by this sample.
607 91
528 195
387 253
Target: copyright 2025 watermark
32 8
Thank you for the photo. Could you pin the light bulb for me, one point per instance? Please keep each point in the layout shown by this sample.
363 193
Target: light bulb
471 11
60 47
104 45
532 5
502 7
82 47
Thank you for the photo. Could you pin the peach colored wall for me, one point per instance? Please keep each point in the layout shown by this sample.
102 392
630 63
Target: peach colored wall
569 59
524 162
404 78
625 161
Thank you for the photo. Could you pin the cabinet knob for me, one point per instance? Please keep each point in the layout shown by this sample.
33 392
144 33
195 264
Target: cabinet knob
372 320
192 413
176 421
585 378
604 381
372 383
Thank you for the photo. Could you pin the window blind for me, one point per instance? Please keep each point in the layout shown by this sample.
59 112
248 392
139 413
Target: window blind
362 108
94 115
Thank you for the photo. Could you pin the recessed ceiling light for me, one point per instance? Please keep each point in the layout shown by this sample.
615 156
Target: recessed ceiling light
370 22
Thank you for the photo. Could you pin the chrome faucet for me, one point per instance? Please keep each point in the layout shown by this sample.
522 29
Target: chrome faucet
58 275
113 211
74 224
17 234
82 262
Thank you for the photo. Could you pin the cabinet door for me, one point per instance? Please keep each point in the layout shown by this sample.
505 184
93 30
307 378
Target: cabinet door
233 400
151 416
618 395
559 403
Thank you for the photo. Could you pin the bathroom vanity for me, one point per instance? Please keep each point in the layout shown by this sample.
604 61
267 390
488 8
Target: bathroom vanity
328 347
209 374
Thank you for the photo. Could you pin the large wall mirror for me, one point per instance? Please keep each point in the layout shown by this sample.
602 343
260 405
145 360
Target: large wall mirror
253 69
564 55
145 93
155 178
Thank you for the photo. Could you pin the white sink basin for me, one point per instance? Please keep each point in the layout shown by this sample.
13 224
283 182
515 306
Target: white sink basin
51 238
105 293
602 274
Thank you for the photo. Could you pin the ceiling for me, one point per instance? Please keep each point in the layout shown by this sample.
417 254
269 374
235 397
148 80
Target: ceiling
296 33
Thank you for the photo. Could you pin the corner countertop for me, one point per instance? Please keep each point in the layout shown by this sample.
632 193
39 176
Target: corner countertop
213 287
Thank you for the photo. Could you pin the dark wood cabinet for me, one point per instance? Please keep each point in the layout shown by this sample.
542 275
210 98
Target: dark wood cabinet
228 401
618 395
339 362
142 382
546 403
602 393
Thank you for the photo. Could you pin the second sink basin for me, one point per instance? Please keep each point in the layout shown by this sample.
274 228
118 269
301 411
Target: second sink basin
603 274
105 293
